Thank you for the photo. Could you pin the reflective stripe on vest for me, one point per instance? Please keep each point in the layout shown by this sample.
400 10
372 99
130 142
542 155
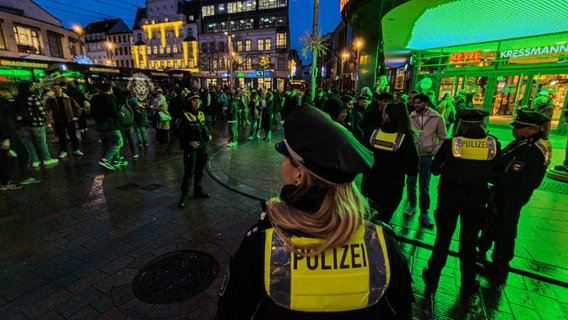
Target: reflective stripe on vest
351 277
386 141
546 148
474 149
193 119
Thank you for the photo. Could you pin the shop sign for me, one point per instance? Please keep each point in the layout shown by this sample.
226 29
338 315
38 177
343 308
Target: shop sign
241 74
251 75
536 51
25 64
103 70
225 74
465 57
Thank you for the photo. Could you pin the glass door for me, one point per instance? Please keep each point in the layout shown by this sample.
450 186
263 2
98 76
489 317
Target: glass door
555 87
508 95
475 87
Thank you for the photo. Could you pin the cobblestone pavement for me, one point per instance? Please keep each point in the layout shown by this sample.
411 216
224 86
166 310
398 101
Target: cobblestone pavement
71 245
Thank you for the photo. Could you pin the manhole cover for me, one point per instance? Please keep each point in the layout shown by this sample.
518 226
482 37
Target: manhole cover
174 277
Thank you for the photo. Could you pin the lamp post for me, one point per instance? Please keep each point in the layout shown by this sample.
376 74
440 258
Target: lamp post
109 47
344 57
358 45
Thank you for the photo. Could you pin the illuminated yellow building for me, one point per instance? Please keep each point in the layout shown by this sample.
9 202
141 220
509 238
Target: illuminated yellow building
165 35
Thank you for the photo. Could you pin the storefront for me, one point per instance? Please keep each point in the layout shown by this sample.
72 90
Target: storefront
499 77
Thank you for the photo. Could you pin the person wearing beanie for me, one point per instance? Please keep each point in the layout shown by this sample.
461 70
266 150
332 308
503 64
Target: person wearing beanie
290 264
336 110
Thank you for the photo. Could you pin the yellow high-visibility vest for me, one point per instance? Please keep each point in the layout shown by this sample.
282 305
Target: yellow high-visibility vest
386 141
351 277
474 149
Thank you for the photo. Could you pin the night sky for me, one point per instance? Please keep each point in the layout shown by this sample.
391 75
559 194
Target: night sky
83 12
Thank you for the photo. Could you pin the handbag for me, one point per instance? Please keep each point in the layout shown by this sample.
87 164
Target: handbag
164 116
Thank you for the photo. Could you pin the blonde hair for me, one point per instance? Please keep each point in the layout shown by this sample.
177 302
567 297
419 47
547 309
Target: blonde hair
342 211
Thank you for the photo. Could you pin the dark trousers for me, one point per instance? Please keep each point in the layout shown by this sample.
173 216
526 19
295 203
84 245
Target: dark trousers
504 232
385 194
194 160
128 136
63 128
446 216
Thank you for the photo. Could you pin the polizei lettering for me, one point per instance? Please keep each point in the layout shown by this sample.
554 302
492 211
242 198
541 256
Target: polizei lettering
474 143
345 257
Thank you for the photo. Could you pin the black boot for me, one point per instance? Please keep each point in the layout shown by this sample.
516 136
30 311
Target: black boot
430 281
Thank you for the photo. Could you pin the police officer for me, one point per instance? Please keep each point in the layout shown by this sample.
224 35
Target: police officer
465 164
521 170
312 254
193 133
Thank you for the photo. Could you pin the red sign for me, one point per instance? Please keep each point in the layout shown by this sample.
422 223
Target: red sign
465 57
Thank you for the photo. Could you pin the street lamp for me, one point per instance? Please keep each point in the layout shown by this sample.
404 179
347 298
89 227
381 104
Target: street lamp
358 45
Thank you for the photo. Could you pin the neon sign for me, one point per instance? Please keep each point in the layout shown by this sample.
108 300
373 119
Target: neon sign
465 57
561 48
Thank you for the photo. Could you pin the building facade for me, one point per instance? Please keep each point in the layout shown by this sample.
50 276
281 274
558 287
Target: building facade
244 43
165 35
109 42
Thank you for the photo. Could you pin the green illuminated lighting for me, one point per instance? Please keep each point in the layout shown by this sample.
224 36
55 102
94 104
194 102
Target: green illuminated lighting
474 21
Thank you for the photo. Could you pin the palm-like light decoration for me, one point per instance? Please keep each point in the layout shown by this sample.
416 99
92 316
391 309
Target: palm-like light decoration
316 45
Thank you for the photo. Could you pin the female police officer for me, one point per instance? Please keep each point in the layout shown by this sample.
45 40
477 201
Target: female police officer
312 255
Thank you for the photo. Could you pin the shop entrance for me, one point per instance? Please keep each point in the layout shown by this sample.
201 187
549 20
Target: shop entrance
556 87
508 95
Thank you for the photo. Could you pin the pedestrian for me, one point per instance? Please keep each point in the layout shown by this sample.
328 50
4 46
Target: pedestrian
465 164
140 121
65 112
395 153
521 170
163 118
194 135
233 120
267 115
373 115
431 133
104 109
33 119
312 255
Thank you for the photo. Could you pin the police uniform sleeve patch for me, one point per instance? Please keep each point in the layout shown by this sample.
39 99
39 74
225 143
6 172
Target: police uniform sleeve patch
517 166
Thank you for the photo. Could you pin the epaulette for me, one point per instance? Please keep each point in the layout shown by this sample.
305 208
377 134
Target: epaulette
262 224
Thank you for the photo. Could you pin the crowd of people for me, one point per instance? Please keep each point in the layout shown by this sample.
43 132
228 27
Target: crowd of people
348 159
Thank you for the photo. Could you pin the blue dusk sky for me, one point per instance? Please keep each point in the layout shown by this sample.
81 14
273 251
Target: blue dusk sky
83 12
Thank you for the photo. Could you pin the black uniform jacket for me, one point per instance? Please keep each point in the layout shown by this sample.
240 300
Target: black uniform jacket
522 167
461 180
243 295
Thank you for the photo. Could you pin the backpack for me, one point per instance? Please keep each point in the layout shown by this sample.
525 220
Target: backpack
126 115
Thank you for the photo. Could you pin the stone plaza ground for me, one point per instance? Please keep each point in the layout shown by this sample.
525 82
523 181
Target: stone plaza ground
72 245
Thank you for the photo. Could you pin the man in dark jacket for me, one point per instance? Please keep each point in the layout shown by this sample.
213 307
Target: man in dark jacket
104 109
65 113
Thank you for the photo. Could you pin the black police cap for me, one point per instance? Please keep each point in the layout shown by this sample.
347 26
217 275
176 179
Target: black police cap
471 115
529 118
323 147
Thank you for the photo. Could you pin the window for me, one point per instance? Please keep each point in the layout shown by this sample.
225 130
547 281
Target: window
248 64
239 45
168 49
27 39
204 47
281 40
155 49
73 47
161 50
175 48
120 51
282 63
221 46
207 11
148 50
260 44
247 45
267 44
54 42
269 4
